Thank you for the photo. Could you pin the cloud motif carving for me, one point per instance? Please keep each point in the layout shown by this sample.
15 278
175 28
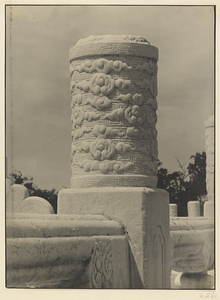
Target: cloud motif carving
78 133
105 166
122 84
102 149
115 115
104 132
134 115
101 84
99 102
103 65
122 147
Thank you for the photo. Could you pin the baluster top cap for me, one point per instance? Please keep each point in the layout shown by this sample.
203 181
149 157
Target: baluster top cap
113 45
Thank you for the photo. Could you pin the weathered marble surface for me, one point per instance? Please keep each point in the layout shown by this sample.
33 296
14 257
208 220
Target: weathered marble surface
18 201
144 214
35 204
66 252
114 89
192 243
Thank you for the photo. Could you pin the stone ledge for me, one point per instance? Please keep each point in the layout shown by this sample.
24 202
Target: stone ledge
87 253
18 228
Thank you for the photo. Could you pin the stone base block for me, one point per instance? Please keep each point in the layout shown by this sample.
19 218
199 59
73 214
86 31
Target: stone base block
144 215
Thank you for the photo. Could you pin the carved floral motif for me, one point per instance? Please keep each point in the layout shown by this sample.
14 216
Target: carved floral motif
101 266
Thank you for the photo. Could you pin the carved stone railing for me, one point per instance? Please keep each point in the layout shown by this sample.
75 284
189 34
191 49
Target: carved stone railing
52 251
192 237
192 241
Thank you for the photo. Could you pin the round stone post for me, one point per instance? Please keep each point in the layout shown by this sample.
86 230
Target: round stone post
114 148
114 88
210 170
193 209
173 210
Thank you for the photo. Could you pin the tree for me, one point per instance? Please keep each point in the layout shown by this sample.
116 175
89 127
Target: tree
27 181
185 185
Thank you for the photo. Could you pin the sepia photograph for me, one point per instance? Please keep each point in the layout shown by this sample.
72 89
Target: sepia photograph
110 147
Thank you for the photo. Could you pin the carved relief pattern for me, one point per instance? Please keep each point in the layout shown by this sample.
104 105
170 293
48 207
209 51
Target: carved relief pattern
101 266
114 115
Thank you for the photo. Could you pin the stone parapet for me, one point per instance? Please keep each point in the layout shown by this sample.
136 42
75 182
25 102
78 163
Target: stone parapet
18 201
192 244
66 252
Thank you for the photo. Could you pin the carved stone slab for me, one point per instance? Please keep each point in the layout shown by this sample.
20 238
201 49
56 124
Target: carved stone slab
66 252
114 89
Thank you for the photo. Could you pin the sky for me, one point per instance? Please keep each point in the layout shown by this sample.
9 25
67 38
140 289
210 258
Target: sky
38 39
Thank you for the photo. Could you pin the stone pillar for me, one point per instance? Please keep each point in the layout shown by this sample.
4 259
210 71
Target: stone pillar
114 88
210 170
114 148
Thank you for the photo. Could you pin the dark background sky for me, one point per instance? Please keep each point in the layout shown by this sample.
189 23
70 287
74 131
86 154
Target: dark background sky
38 98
